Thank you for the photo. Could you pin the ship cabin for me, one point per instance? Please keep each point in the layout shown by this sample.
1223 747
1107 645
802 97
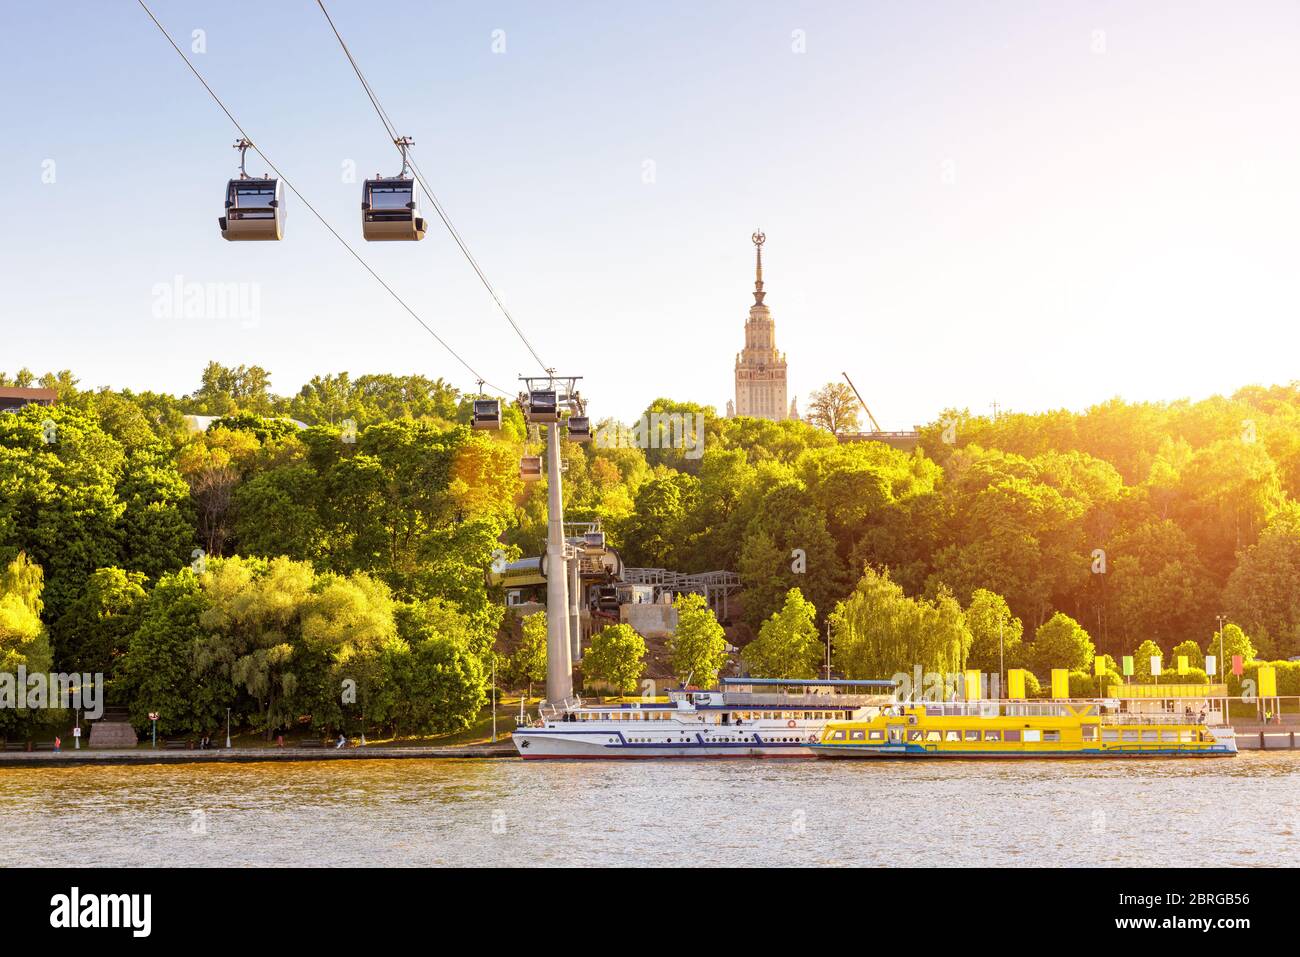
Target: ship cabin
1162 719
744 701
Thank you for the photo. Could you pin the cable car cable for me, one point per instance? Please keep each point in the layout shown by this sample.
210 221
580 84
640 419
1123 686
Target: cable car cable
391 129
310 207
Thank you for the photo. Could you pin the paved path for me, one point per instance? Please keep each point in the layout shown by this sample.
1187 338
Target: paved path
147 755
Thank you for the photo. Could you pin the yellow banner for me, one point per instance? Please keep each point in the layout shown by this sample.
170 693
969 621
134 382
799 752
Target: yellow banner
1016 684
1267 681
1060 683
972 686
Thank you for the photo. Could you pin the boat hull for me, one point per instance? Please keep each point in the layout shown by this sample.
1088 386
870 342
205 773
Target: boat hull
861 752
547 744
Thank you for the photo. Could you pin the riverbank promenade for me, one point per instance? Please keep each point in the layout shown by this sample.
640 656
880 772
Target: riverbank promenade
147 755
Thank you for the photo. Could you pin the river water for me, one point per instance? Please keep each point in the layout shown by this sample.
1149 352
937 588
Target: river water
1235 811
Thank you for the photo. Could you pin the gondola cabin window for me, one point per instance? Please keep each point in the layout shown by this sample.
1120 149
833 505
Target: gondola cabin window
386 198
253 199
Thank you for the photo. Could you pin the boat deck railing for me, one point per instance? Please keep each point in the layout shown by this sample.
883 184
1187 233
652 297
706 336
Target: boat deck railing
549 711
1053 709
1144 718
825 701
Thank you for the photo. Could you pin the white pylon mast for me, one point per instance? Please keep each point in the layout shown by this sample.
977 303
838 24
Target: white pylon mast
559 660
542 402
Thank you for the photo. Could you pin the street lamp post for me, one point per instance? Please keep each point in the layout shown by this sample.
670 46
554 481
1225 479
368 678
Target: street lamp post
1001 662
1222 619
227 729
494 696
153 718
828 649
1223 665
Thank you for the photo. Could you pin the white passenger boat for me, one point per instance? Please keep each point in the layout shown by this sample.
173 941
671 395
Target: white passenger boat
743 718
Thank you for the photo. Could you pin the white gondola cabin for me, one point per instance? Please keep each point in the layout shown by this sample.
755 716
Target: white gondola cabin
254 210
579 428
254 205
389 210
543 406
486 414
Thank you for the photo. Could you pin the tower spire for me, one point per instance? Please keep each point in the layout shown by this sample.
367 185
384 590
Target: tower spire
758 239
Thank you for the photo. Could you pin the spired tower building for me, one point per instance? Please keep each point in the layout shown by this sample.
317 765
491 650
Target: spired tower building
760 369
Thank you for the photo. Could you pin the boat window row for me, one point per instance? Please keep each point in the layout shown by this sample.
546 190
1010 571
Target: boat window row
923 736
1028 735
786 715
743 716
1145 736
731 717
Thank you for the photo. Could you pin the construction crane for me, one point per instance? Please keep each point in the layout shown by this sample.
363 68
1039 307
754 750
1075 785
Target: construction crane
860 402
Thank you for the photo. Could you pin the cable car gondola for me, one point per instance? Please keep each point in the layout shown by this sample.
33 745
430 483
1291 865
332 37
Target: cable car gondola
579 428
254 205
530 468
543 406
389 210
486 414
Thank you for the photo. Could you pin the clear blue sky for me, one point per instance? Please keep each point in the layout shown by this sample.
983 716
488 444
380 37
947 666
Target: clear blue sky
1046 205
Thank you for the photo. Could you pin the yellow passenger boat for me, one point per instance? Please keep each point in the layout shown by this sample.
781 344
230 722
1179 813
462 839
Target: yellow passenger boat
1023 729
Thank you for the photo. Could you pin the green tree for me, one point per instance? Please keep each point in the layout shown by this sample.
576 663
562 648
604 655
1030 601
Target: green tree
787 645
528 663
652 535
787 545
1159 586
59 472
97 627
225 390
23 641
1189 648
996 634
254 620
698 646
1061 642
278 513
1142 660
441 681
156 527
1232 640
616 657
1263 591
878 631
159 672
834 408
347 624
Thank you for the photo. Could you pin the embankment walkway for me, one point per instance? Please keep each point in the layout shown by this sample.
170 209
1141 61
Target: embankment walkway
148 755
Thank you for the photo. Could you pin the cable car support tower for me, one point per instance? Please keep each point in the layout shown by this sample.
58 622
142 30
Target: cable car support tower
543 400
